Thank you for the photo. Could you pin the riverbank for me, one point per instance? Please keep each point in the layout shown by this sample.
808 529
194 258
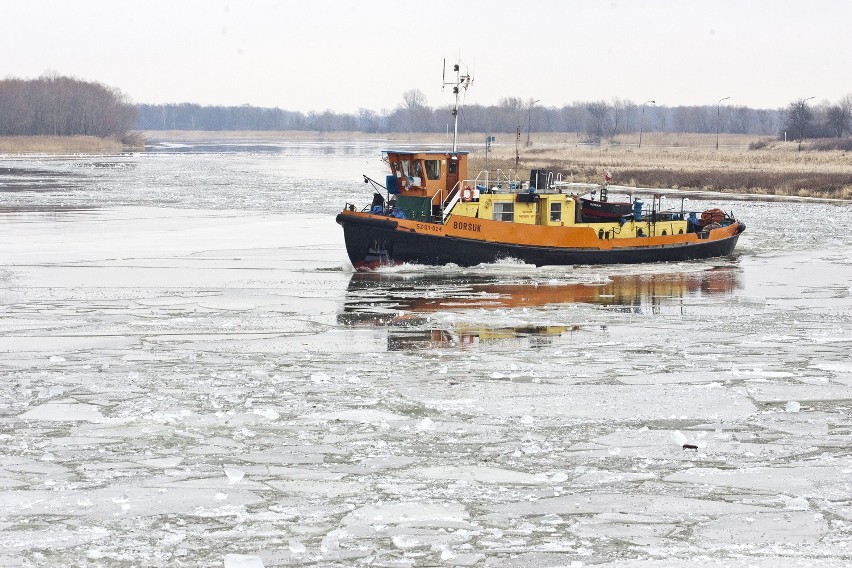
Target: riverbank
742 164
68 145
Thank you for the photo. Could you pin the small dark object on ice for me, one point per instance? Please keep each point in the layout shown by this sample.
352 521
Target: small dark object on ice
690 447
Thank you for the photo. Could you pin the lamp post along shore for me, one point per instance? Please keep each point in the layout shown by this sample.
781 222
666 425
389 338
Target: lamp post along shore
642 120
802 119
718 105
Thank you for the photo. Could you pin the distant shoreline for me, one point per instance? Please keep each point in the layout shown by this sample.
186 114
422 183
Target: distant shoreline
742 164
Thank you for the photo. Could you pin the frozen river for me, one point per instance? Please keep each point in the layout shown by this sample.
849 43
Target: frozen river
193 376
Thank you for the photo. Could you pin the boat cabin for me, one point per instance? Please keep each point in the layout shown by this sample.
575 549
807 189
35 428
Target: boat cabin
430 186
424 174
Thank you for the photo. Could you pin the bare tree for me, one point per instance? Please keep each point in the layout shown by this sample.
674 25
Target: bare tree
598 121
838 118
415 112
741 120
515 104
63 106
368 120
798 121
618 113
413 99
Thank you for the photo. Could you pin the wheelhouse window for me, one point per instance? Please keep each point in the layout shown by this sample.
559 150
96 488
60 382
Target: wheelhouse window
405 168
555 211
504 211
433 169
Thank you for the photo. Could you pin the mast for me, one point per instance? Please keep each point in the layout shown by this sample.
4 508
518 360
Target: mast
463 81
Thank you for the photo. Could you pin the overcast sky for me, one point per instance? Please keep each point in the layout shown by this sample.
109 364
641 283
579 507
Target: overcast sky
319 54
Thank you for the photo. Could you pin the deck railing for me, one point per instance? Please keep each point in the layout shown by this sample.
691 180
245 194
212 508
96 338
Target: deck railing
507 180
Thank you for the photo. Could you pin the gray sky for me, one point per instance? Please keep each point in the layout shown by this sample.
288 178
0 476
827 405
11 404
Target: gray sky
323 54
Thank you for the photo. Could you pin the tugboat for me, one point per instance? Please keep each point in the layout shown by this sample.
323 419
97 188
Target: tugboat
433 213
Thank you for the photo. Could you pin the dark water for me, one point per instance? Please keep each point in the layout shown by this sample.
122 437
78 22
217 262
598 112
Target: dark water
192 375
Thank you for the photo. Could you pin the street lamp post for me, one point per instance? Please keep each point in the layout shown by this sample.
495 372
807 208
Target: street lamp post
718 105
642 120
802 120
529 119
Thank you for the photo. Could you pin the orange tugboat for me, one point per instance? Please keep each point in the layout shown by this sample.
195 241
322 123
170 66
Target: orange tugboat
433 213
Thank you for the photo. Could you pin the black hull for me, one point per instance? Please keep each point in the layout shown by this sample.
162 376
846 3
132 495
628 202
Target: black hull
371 242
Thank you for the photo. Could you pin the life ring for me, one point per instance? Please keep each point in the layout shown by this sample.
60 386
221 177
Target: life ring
467 194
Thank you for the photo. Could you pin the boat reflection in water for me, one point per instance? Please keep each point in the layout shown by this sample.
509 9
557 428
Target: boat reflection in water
403 338
403 303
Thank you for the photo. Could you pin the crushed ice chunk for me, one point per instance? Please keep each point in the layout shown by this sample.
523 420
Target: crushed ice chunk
320 378
796 504
267 413
559 477
242 561
297 547
405 542
234 475
426 424
792 406
679 438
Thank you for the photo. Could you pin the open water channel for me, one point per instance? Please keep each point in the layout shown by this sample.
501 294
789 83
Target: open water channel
192 375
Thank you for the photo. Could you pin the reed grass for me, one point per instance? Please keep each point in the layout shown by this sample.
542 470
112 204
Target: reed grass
63 145
742 164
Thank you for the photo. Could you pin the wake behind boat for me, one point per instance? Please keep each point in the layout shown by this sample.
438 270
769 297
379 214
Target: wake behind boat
433 213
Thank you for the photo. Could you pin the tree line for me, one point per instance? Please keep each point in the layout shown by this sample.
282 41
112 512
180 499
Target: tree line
828 120
57 105
594 120
63 106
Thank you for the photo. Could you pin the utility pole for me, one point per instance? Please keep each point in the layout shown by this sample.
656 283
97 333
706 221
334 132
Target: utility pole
517 152
529 119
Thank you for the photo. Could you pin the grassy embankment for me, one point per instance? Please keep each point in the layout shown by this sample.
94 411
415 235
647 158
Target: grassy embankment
67 145
742 164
